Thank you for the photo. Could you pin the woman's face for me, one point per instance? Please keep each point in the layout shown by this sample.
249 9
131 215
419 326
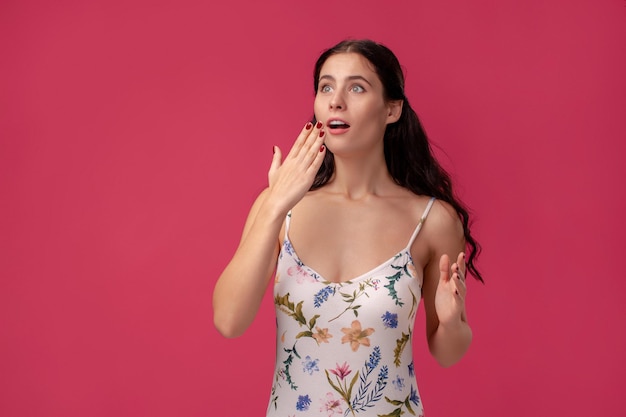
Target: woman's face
350 102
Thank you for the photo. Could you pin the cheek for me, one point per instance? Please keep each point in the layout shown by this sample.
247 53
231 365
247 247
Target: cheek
318 107
381 112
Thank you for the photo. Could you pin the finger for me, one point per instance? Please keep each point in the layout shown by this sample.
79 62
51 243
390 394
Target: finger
456 275
460 288
276 161
458 294
320 152
461 263
313 153
302 143
314 140
457 272
444 268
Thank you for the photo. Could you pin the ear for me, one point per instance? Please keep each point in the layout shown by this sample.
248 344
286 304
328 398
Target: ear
394 110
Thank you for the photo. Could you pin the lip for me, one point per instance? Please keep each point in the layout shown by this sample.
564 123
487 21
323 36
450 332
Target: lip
334 130
335 119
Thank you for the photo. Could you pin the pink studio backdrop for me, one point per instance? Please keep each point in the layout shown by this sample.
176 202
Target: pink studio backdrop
134 135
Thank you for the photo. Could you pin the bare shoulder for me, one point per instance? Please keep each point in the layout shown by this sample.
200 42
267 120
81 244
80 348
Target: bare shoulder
443 226
444 215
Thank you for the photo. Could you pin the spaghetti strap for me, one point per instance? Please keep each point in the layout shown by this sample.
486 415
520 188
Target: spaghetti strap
421 222
287 222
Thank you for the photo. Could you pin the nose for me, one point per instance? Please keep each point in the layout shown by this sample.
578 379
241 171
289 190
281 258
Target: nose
337 101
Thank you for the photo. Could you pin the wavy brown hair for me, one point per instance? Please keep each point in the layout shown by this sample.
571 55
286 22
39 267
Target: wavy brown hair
408 153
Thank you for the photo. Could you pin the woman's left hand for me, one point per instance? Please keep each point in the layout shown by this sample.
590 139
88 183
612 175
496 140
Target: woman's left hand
451 291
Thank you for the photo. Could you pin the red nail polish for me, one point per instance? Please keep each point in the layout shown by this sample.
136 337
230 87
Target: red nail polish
318 125
308 126
322 133
322 148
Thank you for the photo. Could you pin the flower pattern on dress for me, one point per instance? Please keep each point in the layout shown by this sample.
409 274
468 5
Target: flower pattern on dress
303 402
344 349
310 365
321 335
390 320
398 383
322 295
341 371
331 405
356 336
413 397
300 273
411 369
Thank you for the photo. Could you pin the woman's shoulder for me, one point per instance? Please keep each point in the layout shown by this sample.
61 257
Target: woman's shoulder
444 212
443 222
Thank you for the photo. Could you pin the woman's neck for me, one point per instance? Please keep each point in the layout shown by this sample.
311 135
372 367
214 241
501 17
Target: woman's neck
357 178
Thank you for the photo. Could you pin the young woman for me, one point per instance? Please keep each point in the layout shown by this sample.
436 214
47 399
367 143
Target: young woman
359 223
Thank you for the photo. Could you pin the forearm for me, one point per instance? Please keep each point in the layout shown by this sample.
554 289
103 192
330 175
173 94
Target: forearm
450 341
241 286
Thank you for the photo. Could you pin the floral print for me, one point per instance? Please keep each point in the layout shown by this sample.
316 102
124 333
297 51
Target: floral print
390 320
344 348
310 365
341 383
322 296
303 403
356 336
321 335
398 383
330 405
341 371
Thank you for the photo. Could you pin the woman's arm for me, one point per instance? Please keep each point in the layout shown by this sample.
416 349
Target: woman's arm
448 332
240 288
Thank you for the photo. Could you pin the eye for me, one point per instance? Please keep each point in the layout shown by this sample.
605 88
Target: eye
357 89
325 88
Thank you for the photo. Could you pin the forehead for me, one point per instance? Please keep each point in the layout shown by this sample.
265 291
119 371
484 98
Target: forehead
349 64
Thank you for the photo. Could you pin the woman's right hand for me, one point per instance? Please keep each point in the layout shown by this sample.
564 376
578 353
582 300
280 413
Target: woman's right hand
289 180
241 286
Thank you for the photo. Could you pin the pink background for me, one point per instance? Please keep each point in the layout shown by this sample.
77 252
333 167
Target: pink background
134 135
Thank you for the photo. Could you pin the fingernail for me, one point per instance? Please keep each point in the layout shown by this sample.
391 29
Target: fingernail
318 125
322 133
308 126
273 149
322 148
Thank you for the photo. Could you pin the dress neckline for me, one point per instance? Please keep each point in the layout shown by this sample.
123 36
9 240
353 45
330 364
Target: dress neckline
405 251
321 278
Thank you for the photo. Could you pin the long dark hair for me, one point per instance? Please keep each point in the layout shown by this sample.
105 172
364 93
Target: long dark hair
408 154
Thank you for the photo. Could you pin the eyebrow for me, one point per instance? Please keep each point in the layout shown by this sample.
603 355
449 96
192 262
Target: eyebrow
349 78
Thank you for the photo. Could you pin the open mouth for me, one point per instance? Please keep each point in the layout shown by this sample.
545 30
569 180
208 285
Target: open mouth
337 124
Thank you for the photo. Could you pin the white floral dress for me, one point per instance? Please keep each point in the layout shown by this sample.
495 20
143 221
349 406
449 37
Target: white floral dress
345 349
